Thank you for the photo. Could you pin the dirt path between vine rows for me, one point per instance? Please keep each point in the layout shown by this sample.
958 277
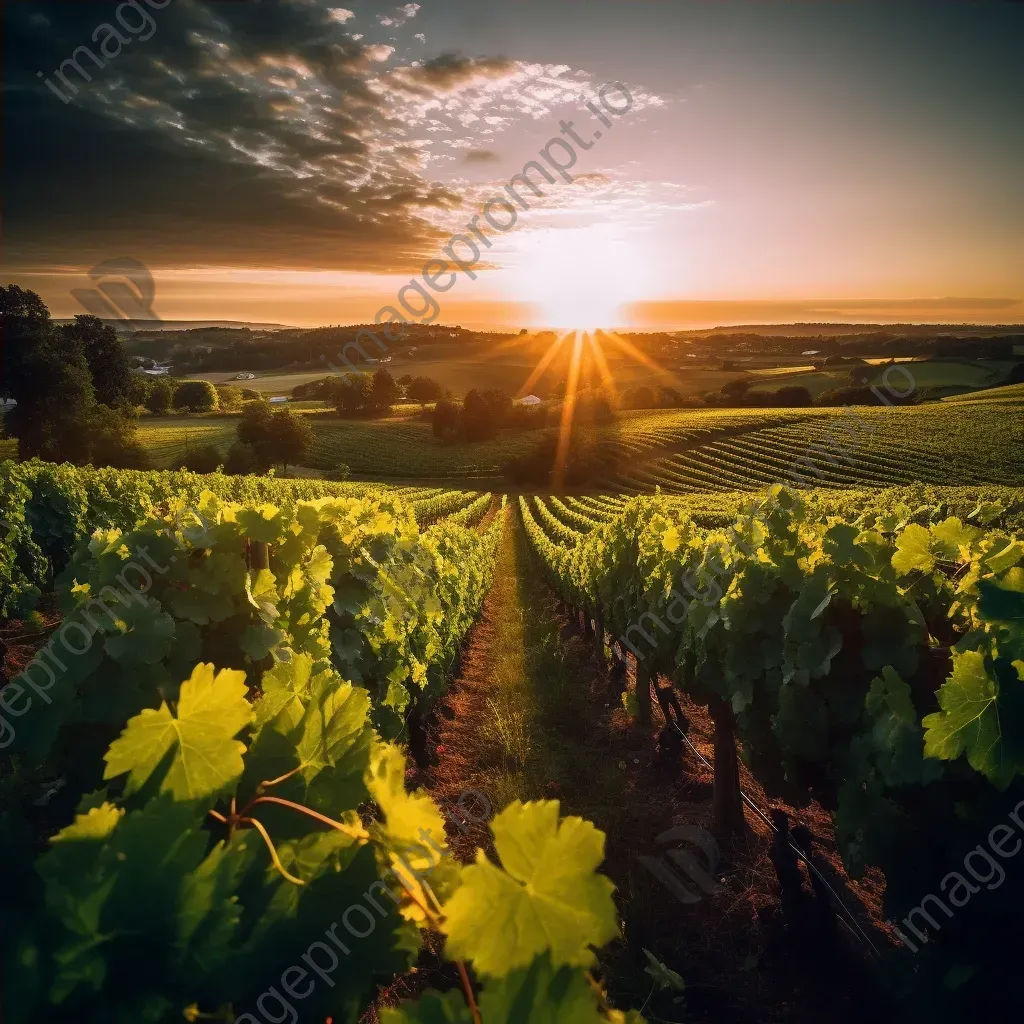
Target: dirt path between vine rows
533 715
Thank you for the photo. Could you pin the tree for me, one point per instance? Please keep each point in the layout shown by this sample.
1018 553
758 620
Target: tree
385 390
500 404
352 394
113 438
196 396
270 437
160 396
46 372
253 430
792 396
736 389
228 397
291 438
639 397
138 391
423 389
242 459
446 417
204 459
108 362
477 420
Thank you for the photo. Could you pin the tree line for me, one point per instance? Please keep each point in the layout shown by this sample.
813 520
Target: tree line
74 388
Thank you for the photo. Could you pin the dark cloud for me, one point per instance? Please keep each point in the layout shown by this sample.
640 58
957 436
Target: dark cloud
450 71
481 156
237 132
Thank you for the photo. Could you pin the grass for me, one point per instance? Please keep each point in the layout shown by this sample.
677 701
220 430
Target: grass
459 371
517 705
395 447
168 439
929 373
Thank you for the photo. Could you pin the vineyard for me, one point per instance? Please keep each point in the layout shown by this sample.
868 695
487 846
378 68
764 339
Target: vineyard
221 759
970 442
869 659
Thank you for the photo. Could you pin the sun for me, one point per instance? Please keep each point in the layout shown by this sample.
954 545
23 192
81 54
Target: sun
579 278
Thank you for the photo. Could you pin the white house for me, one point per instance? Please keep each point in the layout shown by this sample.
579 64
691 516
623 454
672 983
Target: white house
278 399
528 400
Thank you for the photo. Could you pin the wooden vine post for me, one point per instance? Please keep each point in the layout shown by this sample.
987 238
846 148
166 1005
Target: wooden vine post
599 638
726 794
259 556
643 692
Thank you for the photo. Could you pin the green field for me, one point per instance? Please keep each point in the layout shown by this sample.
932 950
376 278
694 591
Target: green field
931 373
508 370
685 450
399 447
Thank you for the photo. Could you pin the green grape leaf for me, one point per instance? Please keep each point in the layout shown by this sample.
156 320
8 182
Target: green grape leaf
548 897
196 748
146 634
541 994
664 977
259 641
411 820
93 823
431 1008
987 511
1001 603
954 539
260 523
112 888
913 550
973 720
898 750
1007 556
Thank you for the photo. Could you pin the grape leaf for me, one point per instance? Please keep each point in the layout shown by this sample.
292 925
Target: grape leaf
410 819
430 1008
664 977
971 721
548 897
204 758
541 995
913 550
147 634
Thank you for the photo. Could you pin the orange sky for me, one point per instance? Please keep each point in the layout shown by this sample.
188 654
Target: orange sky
774 162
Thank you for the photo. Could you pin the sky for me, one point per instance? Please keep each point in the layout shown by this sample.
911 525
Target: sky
301 162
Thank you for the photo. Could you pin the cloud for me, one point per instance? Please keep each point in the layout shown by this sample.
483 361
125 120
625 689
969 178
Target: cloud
480 156
754 312
259 135
449 73
379 52
400 17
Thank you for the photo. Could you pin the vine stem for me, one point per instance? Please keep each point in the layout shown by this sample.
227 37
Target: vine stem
359 833
467 989
281 778
273 851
